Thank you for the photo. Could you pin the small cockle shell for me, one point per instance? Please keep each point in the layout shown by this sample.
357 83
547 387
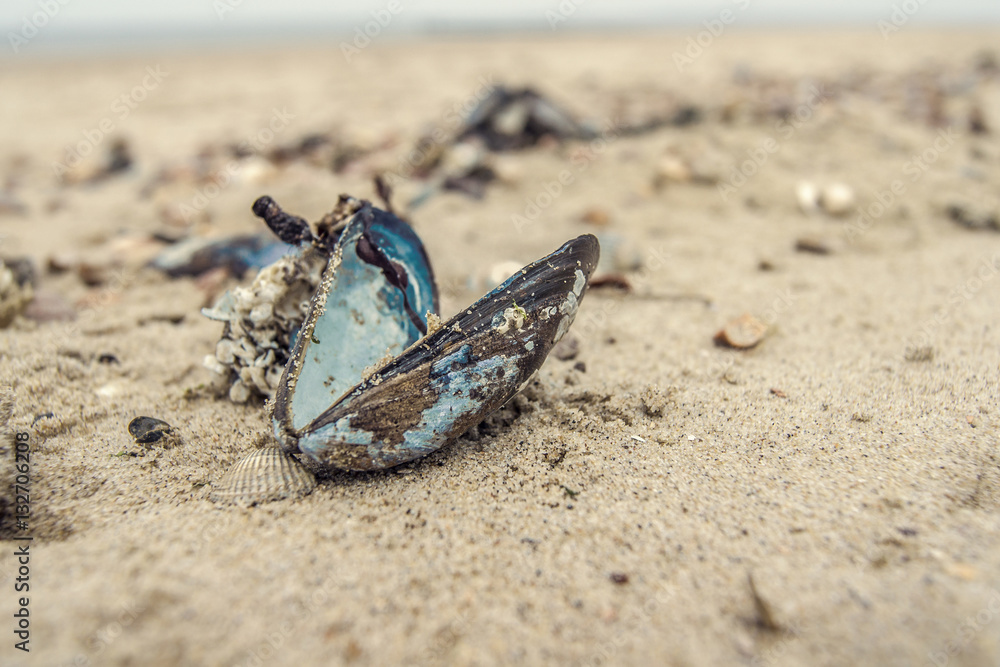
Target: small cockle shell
263 475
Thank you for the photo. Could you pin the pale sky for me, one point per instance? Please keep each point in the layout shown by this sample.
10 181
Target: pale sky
110 22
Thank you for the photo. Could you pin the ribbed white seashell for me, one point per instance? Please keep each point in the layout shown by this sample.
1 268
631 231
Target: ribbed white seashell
263 475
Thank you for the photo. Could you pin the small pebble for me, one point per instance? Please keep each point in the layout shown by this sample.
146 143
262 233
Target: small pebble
811 245
807 196
837 199
974 217
611 280
741 333
596 216
671 169
918 354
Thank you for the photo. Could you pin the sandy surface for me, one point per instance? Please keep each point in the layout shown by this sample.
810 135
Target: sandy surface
849 462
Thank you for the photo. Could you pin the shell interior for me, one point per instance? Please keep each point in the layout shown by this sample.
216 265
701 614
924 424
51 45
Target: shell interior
371 303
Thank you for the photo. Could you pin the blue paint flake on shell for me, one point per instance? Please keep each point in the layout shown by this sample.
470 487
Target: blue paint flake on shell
456 390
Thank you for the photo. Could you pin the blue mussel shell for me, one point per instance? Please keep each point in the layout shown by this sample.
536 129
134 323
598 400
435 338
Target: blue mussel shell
340 407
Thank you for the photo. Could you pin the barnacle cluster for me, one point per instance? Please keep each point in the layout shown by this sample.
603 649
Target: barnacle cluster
261 321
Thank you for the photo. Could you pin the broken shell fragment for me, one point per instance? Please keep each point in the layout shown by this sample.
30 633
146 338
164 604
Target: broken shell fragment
263 475
741 333
597 216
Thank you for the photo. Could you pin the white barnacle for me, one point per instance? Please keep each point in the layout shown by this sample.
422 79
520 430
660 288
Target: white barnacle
265 359
224 351
245 350
513 318
214 365
239 392
261 313
272 375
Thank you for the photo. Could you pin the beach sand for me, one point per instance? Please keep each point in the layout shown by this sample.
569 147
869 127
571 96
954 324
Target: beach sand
848 463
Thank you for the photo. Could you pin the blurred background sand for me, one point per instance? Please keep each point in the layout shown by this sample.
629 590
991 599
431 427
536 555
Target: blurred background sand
848 463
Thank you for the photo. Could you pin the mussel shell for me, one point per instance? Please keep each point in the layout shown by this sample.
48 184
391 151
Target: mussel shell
148 430
263 475
457 376
371 303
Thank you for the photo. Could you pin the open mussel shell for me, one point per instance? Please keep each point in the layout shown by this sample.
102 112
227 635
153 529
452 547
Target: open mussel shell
263 475
446 382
